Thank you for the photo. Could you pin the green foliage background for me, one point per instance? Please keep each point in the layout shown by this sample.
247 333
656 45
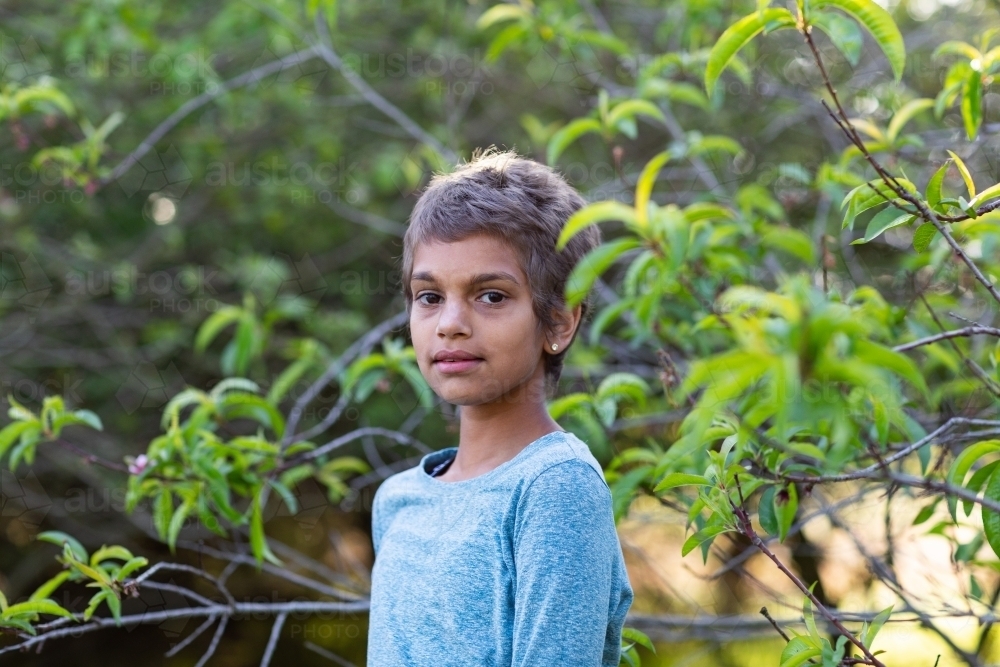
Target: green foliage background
756 298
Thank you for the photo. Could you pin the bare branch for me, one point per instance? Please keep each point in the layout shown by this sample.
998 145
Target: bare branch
252 76
272 642
955 333
360 347
326 51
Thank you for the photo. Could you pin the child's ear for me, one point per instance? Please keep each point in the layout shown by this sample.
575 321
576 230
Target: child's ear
566 322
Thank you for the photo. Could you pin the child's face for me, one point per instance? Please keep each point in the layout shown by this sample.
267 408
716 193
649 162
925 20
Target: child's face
456 309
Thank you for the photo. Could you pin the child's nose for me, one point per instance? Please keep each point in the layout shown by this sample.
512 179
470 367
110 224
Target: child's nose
453 318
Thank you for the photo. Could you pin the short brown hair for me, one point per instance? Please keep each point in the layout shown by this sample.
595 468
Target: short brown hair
521 203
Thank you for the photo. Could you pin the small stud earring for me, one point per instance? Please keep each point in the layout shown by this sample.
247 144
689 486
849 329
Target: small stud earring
554 346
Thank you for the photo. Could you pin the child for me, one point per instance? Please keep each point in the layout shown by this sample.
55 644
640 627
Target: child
503 550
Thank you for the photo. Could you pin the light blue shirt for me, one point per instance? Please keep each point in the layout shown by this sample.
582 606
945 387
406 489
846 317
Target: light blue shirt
518 567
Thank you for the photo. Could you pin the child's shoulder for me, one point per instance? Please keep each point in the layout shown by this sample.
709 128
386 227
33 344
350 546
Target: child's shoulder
557 454
566 454
400 482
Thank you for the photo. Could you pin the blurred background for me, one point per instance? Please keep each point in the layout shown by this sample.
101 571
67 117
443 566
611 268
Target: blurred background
175 159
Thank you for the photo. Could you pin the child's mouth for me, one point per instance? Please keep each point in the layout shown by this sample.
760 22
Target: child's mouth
456 365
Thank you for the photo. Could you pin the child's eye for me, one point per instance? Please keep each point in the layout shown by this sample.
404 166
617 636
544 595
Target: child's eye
501 295
495 303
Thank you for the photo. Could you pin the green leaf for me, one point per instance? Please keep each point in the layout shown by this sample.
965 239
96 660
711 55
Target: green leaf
793 241
26 447
623 386
869 195
258 541
644 187
288 378
876 625
935 183
976 482
162 511
991 518
12 432
739 35
879 23
843 32
505 38
234 385
869 128
130 567
897 362
883 221
638 637
219 320
765 512
809 618
59 538
591 215
24 101
500 13
675 91
991 192
569 404
963 463
177 522
966 176
105 552
95 601
906 113
250 406
85 417
797 651
286 495
926 512
676 479
18 411
956 48
182 400
605 317
575 129
972 103
593 265
46 589
703 535
237 355
633 108
95 573
786 504
923 236
604 40
37 607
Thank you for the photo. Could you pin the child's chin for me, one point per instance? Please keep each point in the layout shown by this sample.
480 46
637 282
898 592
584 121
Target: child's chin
457 397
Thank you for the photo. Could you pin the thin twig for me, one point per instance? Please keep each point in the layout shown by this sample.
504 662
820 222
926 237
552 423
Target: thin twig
272 642
955 333
763 611
251 76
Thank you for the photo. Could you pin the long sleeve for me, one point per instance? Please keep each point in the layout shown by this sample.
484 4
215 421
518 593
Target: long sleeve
377 520
565 552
